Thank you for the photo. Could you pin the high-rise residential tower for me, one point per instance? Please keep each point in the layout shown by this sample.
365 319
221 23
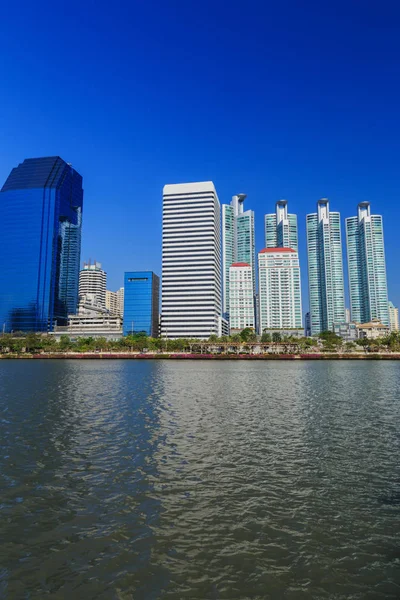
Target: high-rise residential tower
279 289
191 261
41 217
281 228
238 242
393 317
325 268
93 282
367 266
241 297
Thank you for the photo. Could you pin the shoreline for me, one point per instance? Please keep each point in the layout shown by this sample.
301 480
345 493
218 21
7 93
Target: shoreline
186 356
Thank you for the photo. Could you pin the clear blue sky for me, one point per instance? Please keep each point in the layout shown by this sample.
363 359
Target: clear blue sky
275 99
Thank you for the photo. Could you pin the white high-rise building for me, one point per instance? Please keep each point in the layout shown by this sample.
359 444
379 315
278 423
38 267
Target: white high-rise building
393 317
241 297
238 242
93 281
115 302
191 261
279 289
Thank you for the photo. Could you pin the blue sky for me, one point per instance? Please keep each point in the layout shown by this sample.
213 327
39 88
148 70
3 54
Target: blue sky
277 100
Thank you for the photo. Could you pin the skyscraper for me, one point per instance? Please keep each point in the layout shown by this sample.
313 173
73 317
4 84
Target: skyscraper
191 261
281 228
279 289
367 267
93 281
141 303
325 268
241 297
238 242
41 216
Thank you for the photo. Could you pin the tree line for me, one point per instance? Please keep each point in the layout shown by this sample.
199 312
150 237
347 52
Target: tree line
326 342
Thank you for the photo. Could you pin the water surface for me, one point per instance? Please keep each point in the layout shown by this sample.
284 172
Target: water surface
168 479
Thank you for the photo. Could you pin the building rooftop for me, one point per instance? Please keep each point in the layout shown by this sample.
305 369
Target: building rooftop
374 324
48 171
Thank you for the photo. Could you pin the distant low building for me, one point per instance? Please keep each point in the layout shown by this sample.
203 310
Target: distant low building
285 333
393 317
100 326
372 330
347 331
115 302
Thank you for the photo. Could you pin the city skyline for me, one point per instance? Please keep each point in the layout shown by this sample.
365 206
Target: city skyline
283 134
201 240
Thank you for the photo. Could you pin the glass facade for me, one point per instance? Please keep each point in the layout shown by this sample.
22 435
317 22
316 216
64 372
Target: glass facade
238 242
367 266
325 269
41 215
141 303
281 228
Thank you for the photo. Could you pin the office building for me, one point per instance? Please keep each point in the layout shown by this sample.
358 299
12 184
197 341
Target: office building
93 281
281 228
241 297
393 317
238 243
325 268
115 302
367 266
191 261
279 289
41 218
141 303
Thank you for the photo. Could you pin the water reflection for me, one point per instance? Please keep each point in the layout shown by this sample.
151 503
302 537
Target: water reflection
176 479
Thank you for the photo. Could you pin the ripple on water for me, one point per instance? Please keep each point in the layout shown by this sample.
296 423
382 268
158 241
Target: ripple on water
199 480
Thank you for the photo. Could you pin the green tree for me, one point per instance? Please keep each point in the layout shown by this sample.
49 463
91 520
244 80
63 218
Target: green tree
236 338
276 337
266 338
246 334
5 342
65 343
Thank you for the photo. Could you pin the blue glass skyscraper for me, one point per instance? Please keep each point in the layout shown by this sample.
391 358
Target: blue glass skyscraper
141 303
41 218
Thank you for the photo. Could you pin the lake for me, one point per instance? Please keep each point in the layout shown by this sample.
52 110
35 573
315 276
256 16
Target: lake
179 479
